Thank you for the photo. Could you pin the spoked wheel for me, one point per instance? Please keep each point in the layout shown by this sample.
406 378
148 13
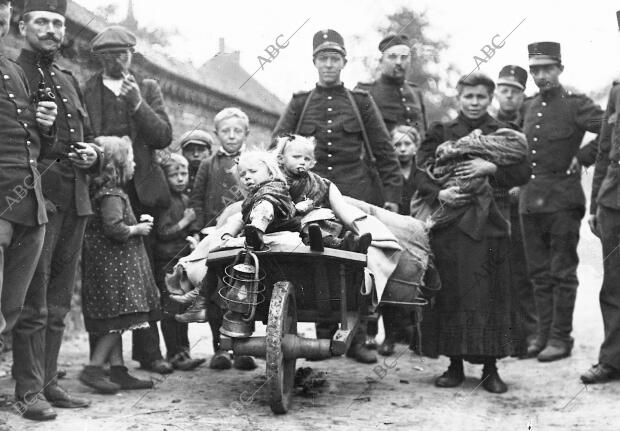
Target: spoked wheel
282 321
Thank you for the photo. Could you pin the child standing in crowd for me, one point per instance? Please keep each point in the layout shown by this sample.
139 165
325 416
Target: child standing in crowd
398 321
215 186
171 232
267 208
406 141
310 191
118 289
196 146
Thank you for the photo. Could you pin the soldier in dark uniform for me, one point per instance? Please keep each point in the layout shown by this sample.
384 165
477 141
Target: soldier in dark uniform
552 204
510 87
329 112
605 223
26 130
196 146
37 336
120 105
400 101
353 148
509 93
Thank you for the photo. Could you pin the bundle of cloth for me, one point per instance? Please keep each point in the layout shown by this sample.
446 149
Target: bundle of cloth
504 147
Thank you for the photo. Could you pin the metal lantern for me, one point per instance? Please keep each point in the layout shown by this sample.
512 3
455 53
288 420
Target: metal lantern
241 293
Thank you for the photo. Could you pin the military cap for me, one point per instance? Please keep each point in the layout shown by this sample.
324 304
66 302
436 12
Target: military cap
113 38
56 6
543 53
513 75
393 40
477 78
199 137
618 18
328 40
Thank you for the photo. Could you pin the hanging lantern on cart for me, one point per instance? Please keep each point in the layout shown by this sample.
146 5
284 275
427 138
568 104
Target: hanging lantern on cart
241 293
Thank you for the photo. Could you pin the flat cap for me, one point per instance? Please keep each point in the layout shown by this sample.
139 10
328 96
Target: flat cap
328 40
543 53
57 6
197 136
393 40
113 38
477 78
513 75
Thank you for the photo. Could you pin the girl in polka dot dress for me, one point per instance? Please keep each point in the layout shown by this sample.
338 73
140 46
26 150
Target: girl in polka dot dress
118 290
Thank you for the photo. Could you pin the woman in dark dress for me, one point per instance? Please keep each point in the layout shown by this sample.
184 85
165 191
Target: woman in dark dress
472 318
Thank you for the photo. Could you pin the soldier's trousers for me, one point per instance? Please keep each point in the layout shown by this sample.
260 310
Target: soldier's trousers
37 336
521 284
20 248
609 225
551 251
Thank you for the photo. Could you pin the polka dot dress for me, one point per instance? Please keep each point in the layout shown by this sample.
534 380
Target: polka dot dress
118 288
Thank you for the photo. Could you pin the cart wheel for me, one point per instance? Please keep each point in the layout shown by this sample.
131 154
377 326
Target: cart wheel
282 321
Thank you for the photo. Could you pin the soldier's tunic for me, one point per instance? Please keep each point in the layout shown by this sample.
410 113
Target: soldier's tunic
38 333
400 102
22 207
606 204
340 152
552 204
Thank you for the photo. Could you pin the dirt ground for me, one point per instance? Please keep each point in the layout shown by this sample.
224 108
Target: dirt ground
540 396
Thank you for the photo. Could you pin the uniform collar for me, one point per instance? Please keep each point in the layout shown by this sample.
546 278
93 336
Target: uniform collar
37 58
552 93
389 80
333 89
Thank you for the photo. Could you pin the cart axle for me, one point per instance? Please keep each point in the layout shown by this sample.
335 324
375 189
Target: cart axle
293 347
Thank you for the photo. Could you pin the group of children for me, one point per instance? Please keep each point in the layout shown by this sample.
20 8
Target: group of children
122 292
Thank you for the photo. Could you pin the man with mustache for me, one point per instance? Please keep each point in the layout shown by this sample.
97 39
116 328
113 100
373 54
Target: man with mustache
37 336
400 103
26 130
353 148
121 105
552 204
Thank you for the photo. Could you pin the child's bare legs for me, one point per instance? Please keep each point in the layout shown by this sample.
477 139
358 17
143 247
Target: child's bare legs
119 373
93 374
103 349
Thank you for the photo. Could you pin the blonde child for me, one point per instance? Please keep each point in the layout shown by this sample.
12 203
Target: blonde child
118 289
406 141
267 208
310 191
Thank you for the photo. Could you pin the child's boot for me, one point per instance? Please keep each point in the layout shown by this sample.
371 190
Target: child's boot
120 376
315 237
245 363
220 361
197 312
186 298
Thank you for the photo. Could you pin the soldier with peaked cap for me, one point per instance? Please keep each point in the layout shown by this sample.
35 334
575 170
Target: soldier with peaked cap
509 93
25 131
38 334
353 148
552 204
400 101
510 87
120 105
473 316
605 223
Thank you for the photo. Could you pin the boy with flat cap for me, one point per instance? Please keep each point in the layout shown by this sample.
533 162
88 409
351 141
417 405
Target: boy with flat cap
400 101
605 223
120 105
38 334
353 148
196 146
552 204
